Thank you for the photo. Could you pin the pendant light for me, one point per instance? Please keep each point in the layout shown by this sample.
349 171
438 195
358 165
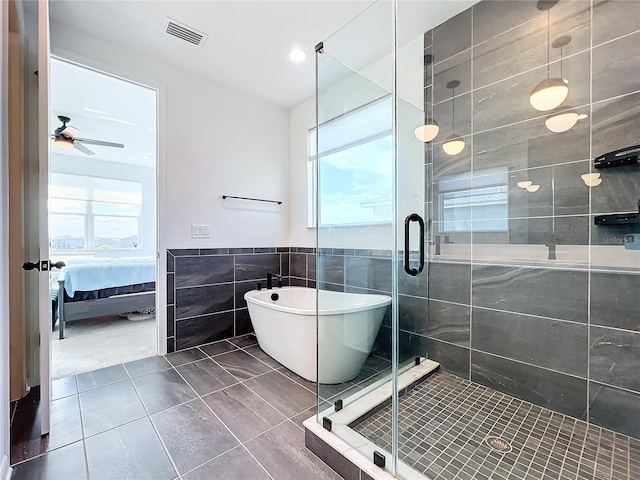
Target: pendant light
454 144
591 179
427 132
550 92
564 119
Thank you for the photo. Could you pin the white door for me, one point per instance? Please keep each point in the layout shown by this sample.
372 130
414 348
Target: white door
36 216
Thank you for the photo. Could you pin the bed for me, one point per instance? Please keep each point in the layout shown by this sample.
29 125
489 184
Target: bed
90 288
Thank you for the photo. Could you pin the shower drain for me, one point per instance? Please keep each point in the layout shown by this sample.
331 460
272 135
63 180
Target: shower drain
498 444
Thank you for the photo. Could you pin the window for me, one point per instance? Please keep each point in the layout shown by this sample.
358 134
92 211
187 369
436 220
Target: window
481 207
92 213
356 167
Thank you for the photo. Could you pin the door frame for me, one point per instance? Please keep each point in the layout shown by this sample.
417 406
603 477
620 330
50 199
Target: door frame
161 169
5 470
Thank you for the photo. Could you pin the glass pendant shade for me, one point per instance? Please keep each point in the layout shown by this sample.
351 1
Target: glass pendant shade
427 132
525 184
591 179
549 94
562 121
453 145
533 188
63 142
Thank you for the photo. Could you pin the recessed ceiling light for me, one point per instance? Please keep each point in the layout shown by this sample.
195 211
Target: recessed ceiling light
297 55
93 110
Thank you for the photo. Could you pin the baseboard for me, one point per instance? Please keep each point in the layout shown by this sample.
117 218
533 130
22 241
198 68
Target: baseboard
5 469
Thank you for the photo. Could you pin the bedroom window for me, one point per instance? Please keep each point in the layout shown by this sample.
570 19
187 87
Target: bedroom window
92 213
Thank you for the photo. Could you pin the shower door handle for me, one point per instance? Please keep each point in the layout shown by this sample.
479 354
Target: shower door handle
414 217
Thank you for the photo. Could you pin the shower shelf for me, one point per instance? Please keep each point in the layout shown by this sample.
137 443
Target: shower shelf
618 218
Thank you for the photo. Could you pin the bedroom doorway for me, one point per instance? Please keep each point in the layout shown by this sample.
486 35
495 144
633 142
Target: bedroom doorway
102 219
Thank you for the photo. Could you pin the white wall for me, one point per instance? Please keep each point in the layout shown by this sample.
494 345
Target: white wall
5 471
100 168
217 142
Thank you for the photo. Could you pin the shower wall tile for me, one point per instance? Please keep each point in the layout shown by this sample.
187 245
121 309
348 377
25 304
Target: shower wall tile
528 145
615 409
191 271
615 301
614 19
614 357
411 345
616 123
200 330
525 47
553 293
457 68
453 36
445 166
556 391
193 301
414 286
615 67
494 17
450 282
538 282
448 108
562 191
618 191
412 314
452 358
507 101
553 344
449 322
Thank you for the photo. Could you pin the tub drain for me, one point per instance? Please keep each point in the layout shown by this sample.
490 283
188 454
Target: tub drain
498 444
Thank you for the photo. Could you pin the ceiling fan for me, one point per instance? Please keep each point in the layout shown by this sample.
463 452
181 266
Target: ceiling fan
65 137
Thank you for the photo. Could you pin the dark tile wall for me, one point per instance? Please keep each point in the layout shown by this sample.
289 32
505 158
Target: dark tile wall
548 308
206 287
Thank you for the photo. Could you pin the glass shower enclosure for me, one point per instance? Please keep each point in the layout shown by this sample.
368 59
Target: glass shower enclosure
477 221
372 203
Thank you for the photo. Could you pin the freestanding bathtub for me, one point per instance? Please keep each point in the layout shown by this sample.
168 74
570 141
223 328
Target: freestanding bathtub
286 329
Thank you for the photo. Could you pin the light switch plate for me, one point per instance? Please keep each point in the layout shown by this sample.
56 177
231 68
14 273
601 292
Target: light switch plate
199 231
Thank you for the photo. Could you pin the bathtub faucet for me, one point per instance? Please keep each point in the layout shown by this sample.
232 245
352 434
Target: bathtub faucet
270 280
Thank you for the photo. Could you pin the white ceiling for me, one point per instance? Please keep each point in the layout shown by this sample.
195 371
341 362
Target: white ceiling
99 105
248 40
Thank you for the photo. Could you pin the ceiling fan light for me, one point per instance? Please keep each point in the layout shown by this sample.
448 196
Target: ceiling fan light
533 188
453 145
549 94
525 184
63 142
427 132
562 121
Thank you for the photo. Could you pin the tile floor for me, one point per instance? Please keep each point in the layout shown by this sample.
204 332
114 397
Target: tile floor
224 410
444 422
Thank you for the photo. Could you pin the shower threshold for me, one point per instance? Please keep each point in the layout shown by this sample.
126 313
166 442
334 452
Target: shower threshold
451 428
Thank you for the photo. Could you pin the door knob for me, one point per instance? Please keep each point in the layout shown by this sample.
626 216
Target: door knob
42 265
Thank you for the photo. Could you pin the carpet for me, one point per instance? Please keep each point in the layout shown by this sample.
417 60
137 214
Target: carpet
101 342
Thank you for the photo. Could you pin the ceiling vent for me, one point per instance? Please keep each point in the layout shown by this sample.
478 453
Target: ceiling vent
184 32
